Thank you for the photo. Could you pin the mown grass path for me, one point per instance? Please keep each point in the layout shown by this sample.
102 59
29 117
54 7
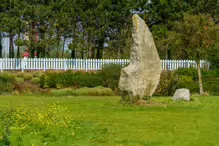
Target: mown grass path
160 122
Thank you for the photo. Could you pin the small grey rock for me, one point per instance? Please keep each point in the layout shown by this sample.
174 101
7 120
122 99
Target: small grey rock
182 94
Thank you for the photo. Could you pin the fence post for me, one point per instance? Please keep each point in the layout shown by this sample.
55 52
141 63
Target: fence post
44 64
75 64
1 65
65 64
22 65
85 64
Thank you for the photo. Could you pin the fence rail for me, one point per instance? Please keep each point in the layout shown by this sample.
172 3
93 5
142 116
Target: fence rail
83 64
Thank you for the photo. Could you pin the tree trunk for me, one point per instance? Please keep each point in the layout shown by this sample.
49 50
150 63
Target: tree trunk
92 53
73 53
0 45
32 53
46 53
58 42
99 53
63 48
82 53
201 91
32 39
18 51
11 47
18 47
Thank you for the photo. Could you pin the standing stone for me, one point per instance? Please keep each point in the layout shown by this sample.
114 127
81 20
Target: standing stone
141 77
182 94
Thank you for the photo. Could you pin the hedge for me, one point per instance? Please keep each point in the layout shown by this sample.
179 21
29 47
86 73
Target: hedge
69 78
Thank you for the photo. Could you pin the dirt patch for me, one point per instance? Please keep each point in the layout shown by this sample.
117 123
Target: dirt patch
150 103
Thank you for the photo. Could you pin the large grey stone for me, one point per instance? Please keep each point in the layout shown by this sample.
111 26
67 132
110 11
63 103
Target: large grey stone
141 77
182 94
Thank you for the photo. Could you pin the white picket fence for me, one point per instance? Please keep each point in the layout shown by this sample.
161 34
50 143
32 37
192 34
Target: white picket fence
82 64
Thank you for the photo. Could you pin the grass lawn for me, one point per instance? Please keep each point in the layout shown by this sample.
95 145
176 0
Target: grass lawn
104 121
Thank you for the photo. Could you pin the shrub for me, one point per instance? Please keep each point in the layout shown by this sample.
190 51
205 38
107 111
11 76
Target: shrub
46 81
7 81
107 77
19 74
190 72
61 92
111 74
169 82
214 61
35 80
27 88
189 79
69 78
7 77
27 76
93 92
211 85
16 92
89 80
83 91
184 81
210 73
6 87
37 74
19 80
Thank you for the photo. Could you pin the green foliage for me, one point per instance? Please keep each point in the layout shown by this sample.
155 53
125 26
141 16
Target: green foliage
162 16
191 72
184 81
99 18
83 91
165 11
37 74
100 121
197 34
7 81
19 80
188 79
27 76
6 87
213 73
211 85
44 126
69 78
93 92
27 88
7 77
35 80
169 82
19 74
111 74
60 92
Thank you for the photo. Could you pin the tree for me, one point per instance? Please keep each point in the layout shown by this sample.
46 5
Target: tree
10 20
168 11
198 37
162 14
1 45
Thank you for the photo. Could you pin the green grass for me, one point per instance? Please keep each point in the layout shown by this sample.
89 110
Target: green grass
104 121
